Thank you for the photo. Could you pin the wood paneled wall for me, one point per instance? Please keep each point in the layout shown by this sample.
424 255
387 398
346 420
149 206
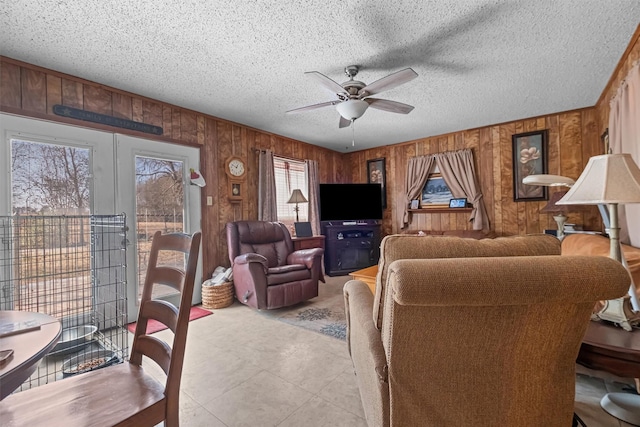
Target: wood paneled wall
573 138
32 91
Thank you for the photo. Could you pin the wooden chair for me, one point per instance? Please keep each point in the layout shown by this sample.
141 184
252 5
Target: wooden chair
124 394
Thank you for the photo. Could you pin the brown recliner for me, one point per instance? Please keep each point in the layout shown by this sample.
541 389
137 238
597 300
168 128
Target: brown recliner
267 272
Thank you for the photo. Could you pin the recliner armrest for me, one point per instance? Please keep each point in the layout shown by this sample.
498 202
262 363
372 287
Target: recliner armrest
251 257
307 257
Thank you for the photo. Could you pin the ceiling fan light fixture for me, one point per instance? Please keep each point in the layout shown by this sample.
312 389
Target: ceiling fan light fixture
352 109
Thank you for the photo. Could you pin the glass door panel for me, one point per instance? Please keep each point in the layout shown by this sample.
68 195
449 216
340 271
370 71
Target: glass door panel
159 207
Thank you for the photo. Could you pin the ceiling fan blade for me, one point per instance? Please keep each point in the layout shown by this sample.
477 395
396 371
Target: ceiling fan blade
312 107
391 106
344 123
389 82
326 82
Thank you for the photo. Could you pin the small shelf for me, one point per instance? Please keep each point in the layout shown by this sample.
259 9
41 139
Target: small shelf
440 210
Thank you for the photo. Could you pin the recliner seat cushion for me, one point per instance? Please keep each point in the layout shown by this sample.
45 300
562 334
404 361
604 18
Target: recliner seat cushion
287 273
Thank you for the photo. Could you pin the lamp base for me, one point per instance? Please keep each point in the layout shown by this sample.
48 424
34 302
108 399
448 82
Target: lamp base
560 220
620 312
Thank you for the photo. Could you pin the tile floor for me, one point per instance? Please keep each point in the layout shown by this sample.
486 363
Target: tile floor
245 369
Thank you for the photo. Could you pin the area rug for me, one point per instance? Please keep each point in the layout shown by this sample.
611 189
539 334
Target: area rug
323 314
155 326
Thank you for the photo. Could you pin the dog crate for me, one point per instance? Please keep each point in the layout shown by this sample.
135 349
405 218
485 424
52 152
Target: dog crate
74 269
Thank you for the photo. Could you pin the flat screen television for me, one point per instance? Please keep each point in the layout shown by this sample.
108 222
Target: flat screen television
350 202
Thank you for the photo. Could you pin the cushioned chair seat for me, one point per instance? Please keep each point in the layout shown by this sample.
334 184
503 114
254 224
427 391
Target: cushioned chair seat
287 273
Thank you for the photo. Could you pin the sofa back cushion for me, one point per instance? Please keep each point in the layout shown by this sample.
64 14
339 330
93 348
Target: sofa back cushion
269 239
402 246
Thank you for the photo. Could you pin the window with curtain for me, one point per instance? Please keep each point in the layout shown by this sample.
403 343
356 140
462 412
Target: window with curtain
290 175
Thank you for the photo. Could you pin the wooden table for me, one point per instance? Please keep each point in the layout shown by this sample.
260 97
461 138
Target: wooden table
609 348
368 276
28 347
612 349
307 242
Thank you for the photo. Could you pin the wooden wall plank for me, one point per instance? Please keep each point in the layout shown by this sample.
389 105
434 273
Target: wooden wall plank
11 86
34 90
121 106
167 122
98 100
137 110
175 124
188 127
151 112
72 93
54 92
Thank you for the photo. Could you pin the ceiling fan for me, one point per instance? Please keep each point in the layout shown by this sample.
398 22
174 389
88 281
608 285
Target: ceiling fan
354 96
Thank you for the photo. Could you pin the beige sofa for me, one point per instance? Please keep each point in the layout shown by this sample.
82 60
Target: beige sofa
473 332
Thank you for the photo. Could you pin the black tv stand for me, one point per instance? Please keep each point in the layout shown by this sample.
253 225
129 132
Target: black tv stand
350 246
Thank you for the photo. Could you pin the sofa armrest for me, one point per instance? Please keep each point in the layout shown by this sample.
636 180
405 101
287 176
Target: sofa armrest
308 257
367 353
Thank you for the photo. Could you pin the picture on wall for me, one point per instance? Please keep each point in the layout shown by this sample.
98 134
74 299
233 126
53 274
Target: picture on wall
376 174
435 192
529 158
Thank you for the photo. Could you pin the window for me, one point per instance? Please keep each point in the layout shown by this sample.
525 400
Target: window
290 175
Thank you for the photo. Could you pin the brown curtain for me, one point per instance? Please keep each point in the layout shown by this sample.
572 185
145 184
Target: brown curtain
460 176
314 195
267 207
624 137
417 174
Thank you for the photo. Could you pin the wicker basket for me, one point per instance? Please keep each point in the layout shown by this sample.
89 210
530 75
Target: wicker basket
219 296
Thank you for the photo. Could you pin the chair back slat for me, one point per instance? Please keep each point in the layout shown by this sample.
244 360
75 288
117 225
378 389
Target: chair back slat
168 276
157 350
160 311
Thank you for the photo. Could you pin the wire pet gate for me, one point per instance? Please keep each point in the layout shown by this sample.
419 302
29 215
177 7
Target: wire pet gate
74 269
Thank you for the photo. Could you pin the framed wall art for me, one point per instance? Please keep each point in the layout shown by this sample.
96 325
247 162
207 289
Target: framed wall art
458 203
376 174
529 158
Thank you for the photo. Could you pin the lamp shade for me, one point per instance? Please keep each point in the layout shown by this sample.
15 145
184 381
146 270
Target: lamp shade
609 178
548 180
352 109
297 197
552 206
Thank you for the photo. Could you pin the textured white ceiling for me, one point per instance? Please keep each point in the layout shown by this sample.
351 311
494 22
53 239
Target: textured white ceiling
479 62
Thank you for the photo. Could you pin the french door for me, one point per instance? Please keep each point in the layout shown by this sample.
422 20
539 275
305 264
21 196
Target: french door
54 169
153 190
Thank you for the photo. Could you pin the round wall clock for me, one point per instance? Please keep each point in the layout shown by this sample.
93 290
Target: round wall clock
235 167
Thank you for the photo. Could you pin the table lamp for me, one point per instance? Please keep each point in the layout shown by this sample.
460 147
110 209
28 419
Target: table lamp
613 179
297 197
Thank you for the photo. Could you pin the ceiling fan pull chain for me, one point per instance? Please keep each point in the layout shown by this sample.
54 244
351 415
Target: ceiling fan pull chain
353 132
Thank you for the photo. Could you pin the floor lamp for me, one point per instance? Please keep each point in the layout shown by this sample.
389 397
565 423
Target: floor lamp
552 207
613 179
